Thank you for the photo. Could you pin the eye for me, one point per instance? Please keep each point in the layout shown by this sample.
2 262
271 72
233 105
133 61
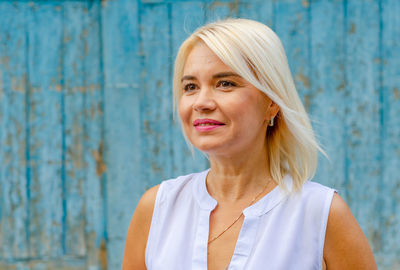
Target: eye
189 87
226 84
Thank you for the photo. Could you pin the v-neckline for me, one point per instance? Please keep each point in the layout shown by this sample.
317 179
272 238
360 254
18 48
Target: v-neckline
248 231
260 207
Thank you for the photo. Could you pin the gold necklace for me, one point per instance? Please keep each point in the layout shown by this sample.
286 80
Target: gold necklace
241 214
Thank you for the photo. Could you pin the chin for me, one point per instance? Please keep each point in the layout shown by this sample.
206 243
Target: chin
213 148
212 144
205 147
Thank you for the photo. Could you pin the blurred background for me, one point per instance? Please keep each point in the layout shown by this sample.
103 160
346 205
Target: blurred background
86 119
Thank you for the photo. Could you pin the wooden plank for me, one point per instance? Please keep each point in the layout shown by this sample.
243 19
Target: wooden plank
258 10
291 23
327 90
389 209
156 93
14 266
13 133
179 2
217 10
123 141
185 19
45 37
74 88
354 89
35 264
83 134
363 119
94 160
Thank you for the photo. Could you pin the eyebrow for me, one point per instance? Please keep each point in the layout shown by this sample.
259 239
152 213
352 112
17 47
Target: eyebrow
215 76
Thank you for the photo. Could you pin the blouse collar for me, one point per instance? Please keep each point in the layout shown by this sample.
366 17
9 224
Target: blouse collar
261 207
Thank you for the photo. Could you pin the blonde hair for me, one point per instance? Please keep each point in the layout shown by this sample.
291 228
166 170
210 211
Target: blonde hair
256 53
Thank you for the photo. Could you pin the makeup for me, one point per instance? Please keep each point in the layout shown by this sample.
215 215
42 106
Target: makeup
206 124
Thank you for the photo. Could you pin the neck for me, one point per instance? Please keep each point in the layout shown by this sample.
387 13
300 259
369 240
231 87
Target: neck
240 176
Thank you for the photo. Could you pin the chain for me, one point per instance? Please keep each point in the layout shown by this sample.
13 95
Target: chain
241 214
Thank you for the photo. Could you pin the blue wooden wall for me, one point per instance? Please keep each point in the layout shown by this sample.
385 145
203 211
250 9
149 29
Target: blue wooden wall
86 115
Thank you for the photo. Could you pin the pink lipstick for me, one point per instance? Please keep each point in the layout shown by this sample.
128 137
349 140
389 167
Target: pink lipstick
203 125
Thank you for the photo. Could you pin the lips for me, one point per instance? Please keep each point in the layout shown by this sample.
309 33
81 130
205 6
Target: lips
207 122
204 125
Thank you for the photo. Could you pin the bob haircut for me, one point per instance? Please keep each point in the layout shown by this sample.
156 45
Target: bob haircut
256 53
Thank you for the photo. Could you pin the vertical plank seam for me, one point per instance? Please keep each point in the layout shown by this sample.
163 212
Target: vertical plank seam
345 133
84 141
310 67
204 5
142 173
63 142
380 202
27 140
206 11
103 176
169 88
273 15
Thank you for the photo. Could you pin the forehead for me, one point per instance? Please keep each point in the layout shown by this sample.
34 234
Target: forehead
201 58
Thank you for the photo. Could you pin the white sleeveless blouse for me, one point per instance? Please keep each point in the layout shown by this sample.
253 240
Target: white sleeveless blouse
281 231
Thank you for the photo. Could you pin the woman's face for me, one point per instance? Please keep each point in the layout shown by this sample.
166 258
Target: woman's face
221 112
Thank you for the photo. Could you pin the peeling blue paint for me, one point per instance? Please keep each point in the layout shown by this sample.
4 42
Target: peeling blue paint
86 115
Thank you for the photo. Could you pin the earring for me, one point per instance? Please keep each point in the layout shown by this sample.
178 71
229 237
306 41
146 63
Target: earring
271 122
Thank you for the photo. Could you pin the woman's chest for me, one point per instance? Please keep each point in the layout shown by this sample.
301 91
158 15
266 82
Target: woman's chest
280 237
224 231
249 244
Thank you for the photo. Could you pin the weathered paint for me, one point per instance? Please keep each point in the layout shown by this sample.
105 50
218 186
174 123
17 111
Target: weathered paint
327 106
291 23
45 122
74 113
95 185
86 115
363 154
122 72
59 83
258 10
14 214
388 210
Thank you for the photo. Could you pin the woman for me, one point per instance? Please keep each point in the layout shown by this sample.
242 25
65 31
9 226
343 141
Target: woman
254 208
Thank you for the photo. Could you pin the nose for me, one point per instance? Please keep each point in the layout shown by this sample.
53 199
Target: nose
204 100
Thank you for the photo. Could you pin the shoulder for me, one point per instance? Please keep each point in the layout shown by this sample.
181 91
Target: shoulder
346 246
135 244
178 188
139 227
316 188
180 181
315 196
145 206
144 209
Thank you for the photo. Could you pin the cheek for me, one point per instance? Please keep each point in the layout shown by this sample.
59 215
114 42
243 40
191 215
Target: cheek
240 107
249 112
184 110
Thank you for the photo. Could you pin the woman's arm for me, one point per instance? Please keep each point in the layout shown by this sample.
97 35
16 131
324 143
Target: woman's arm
136 240
346 246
